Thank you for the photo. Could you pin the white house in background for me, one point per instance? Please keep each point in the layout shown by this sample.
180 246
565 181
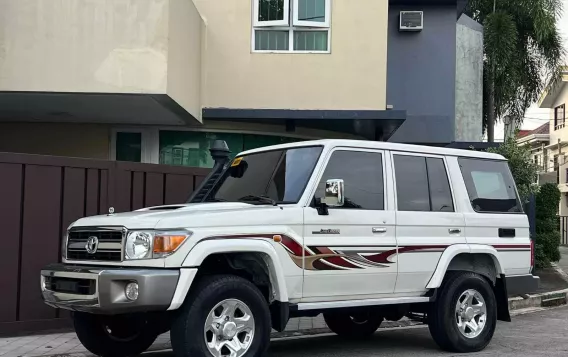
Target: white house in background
555 100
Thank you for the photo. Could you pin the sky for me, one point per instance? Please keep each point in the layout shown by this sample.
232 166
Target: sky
535 116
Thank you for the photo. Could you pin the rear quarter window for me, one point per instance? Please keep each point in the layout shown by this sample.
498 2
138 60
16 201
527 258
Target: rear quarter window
490 186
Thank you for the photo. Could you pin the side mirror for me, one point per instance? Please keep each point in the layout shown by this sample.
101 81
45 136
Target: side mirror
334 193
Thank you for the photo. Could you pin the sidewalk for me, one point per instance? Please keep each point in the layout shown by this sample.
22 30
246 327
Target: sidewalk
66 344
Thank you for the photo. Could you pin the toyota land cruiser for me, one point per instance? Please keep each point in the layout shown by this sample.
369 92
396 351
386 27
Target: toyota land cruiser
360 232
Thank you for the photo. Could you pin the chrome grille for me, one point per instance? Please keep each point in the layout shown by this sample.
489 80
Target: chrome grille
109 247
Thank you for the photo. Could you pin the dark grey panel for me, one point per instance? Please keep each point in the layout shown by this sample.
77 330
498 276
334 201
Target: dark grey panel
371 124
425 129
93 108
422 73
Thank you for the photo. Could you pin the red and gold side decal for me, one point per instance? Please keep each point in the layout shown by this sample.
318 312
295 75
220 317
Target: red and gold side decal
327 258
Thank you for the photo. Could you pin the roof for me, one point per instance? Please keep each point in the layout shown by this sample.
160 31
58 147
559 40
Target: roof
381 145
523 133
539 134
548 96
543 129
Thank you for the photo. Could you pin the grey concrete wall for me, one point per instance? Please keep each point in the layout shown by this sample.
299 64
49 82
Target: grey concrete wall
469 80
421 75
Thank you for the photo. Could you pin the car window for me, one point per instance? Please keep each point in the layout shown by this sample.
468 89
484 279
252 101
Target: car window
490 185
440 192
362 173
422 184
281 175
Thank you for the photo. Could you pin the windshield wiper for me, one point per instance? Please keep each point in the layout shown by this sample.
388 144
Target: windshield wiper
254 198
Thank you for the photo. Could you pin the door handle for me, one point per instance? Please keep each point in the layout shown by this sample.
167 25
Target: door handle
506 233
454 230
379 230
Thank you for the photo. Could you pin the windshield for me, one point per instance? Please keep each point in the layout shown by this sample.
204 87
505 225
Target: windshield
280 175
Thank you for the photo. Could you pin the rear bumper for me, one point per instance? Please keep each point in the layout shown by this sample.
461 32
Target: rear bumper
522 284
102 289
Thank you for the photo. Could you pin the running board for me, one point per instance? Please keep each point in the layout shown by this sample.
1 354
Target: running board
356 303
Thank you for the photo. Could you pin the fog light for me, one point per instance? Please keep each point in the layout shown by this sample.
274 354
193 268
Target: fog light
131 291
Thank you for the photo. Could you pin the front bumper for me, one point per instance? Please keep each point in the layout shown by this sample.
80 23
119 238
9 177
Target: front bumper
522 284
101 290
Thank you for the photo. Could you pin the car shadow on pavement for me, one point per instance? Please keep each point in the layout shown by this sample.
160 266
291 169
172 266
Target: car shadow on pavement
407 342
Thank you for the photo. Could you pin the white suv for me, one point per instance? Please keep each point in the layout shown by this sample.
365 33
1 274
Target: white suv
359 231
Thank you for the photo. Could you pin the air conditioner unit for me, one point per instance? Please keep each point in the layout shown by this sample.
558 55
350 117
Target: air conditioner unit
411 21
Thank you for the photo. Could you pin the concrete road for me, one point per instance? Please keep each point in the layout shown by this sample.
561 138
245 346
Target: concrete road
543 333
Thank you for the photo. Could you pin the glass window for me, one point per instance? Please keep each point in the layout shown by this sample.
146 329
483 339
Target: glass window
272 40
362 173
311 10
270 10
258 141
281 175
129 146
191 148
440 192
310 40
411 183
490 185
284 25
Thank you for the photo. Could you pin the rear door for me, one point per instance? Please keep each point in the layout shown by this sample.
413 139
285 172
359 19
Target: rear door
495 216
426 216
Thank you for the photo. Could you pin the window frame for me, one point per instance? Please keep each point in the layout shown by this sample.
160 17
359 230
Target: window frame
425 156
559 122
284 22
325 162
291 26
301 23
148 145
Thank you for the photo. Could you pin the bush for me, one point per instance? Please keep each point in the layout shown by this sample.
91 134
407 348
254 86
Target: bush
548 243
540 258
547 225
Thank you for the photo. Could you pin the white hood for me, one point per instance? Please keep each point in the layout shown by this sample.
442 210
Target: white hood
182 216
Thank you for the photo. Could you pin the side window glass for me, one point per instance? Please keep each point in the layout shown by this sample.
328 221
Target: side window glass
490 185
422 184
362 173
440 191
411 183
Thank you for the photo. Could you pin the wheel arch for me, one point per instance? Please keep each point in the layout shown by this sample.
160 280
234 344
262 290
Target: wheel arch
251 247
481 259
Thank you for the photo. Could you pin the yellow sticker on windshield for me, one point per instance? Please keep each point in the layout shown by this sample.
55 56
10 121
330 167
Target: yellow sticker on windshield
237 161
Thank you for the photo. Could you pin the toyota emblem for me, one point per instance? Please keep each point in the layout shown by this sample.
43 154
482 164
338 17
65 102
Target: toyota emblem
92 245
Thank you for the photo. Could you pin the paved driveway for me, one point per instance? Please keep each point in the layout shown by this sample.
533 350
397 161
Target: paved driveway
543 333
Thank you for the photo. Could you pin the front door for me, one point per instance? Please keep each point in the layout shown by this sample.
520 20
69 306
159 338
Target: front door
349 254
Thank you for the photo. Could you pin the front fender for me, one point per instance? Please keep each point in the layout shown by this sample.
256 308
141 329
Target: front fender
216 246
452 251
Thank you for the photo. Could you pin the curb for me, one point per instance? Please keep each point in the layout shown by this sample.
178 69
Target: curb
553 298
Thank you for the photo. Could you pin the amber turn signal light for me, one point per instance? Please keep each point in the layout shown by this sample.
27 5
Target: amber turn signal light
165 244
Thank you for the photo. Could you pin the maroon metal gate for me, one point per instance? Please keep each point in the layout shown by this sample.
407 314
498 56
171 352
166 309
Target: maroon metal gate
41 195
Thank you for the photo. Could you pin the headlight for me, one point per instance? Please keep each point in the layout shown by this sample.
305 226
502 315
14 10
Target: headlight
138 245
150 244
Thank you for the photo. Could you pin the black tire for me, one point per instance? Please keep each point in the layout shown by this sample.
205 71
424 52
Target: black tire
353 325
114 336
442 318
188 333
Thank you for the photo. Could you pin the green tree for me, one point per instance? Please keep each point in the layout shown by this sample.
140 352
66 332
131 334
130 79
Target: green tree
522 167
523 52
